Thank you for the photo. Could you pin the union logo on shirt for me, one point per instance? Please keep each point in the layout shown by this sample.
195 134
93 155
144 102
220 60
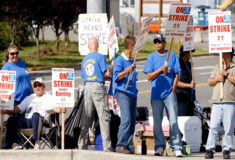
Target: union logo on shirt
90 69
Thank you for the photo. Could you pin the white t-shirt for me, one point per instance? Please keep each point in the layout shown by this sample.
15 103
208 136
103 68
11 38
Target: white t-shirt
32 104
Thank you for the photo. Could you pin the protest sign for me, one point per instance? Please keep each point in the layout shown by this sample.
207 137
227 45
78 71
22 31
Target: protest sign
220 32
189 36
92 25
7 89
143 34
177 20
112 38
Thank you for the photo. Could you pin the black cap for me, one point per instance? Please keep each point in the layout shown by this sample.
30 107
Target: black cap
232 53
182 50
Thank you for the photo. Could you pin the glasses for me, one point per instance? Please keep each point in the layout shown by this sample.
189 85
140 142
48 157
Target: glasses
37 85
14 53
157 41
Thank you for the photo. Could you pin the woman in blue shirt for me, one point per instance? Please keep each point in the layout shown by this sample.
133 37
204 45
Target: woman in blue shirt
12 63
126 98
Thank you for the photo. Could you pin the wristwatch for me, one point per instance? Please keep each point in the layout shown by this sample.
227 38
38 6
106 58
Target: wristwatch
227 75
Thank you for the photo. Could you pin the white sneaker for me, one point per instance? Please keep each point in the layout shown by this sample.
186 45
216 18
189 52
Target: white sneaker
178 153
37 145
16 146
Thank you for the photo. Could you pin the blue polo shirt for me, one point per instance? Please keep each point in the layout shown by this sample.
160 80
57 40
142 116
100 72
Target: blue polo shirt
120 64
23 86
161 86
93 67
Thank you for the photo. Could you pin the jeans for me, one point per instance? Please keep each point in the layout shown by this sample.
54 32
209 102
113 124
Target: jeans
128 118
171 106
14 123
182 108
223 112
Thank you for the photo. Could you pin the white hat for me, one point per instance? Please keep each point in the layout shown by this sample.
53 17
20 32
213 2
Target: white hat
38 79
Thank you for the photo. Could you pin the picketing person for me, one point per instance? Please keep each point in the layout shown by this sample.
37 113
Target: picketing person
126 98
93 69
185 90
35 106
163 94
223 110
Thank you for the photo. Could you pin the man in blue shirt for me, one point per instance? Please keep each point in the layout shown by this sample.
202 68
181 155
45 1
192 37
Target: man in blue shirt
163 94
93 69
126 98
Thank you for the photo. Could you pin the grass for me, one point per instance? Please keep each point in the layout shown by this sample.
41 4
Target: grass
71 56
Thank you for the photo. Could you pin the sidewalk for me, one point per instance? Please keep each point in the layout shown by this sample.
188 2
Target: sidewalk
89 155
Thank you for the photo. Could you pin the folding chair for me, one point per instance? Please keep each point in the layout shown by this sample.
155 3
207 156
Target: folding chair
47 129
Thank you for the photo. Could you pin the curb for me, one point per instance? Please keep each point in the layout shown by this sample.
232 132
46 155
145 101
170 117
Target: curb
109 61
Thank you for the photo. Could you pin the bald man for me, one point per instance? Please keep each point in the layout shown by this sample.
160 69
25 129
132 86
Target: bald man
93 69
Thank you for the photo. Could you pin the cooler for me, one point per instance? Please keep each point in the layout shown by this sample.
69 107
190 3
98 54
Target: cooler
190 127
98 140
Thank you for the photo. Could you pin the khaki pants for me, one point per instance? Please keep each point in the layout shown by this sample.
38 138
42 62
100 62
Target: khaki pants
96 97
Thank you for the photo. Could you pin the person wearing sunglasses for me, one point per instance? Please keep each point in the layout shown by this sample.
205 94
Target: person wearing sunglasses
34 106
12 63
163 94
185 90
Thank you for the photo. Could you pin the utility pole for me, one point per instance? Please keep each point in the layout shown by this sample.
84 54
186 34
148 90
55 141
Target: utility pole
96 6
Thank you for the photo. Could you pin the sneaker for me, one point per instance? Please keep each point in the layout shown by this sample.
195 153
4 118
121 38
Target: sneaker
209 154
16 146
159 151
37 145
226 154
123 150
109 150
178 153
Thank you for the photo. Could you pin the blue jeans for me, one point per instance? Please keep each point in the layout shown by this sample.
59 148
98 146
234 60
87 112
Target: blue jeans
182 108
128 119
223 112
15 122
171 105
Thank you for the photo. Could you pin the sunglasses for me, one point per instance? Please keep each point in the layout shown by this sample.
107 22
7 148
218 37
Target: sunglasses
157 41
37 85
13 53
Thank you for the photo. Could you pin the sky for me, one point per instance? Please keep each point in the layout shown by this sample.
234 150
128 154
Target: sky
196 3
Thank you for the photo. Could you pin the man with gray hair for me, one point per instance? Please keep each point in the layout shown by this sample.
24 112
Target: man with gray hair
93 69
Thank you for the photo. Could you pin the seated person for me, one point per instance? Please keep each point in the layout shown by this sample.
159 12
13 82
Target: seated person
35 105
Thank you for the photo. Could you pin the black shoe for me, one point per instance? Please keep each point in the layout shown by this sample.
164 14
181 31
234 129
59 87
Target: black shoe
226 154
209 154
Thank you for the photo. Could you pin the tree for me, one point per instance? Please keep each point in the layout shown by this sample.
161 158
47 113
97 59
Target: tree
64 14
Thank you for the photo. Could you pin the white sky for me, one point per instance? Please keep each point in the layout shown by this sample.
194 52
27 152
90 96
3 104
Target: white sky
196 3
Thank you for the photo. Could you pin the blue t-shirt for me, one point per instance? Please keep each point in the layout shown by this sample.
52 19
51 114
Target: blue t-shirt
93 67
161 86
23 86
120 65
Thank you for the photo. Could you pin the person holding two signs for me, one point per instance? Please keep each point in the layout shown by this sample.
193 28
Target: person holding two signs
163 94
93 69
223 110
126 98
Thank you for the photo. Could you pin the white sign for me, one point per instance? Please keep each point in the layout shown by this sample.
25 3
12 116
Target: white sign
112 38
92 25
7 89
143 34
63 87
177 20
220 32
189 36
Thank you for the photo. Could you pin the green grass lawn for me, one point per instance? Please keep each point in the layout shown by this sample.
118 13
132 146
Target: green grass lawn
71 56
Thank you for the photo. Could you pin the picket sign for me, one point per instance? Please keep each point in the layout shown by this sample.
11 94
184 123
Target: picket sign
7 94
112 39
92 25
63 91
220 39
189 41
176 23
141 39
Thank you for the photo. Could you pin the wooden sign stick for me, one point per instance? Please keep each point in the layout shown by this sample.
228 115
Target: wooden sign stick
221 83
2 119
169 53
131 72
62 139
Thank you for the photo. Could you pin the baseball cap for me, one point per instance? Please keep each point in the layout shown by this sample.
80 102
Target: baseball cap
182 50
232 53
38 79
159 37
